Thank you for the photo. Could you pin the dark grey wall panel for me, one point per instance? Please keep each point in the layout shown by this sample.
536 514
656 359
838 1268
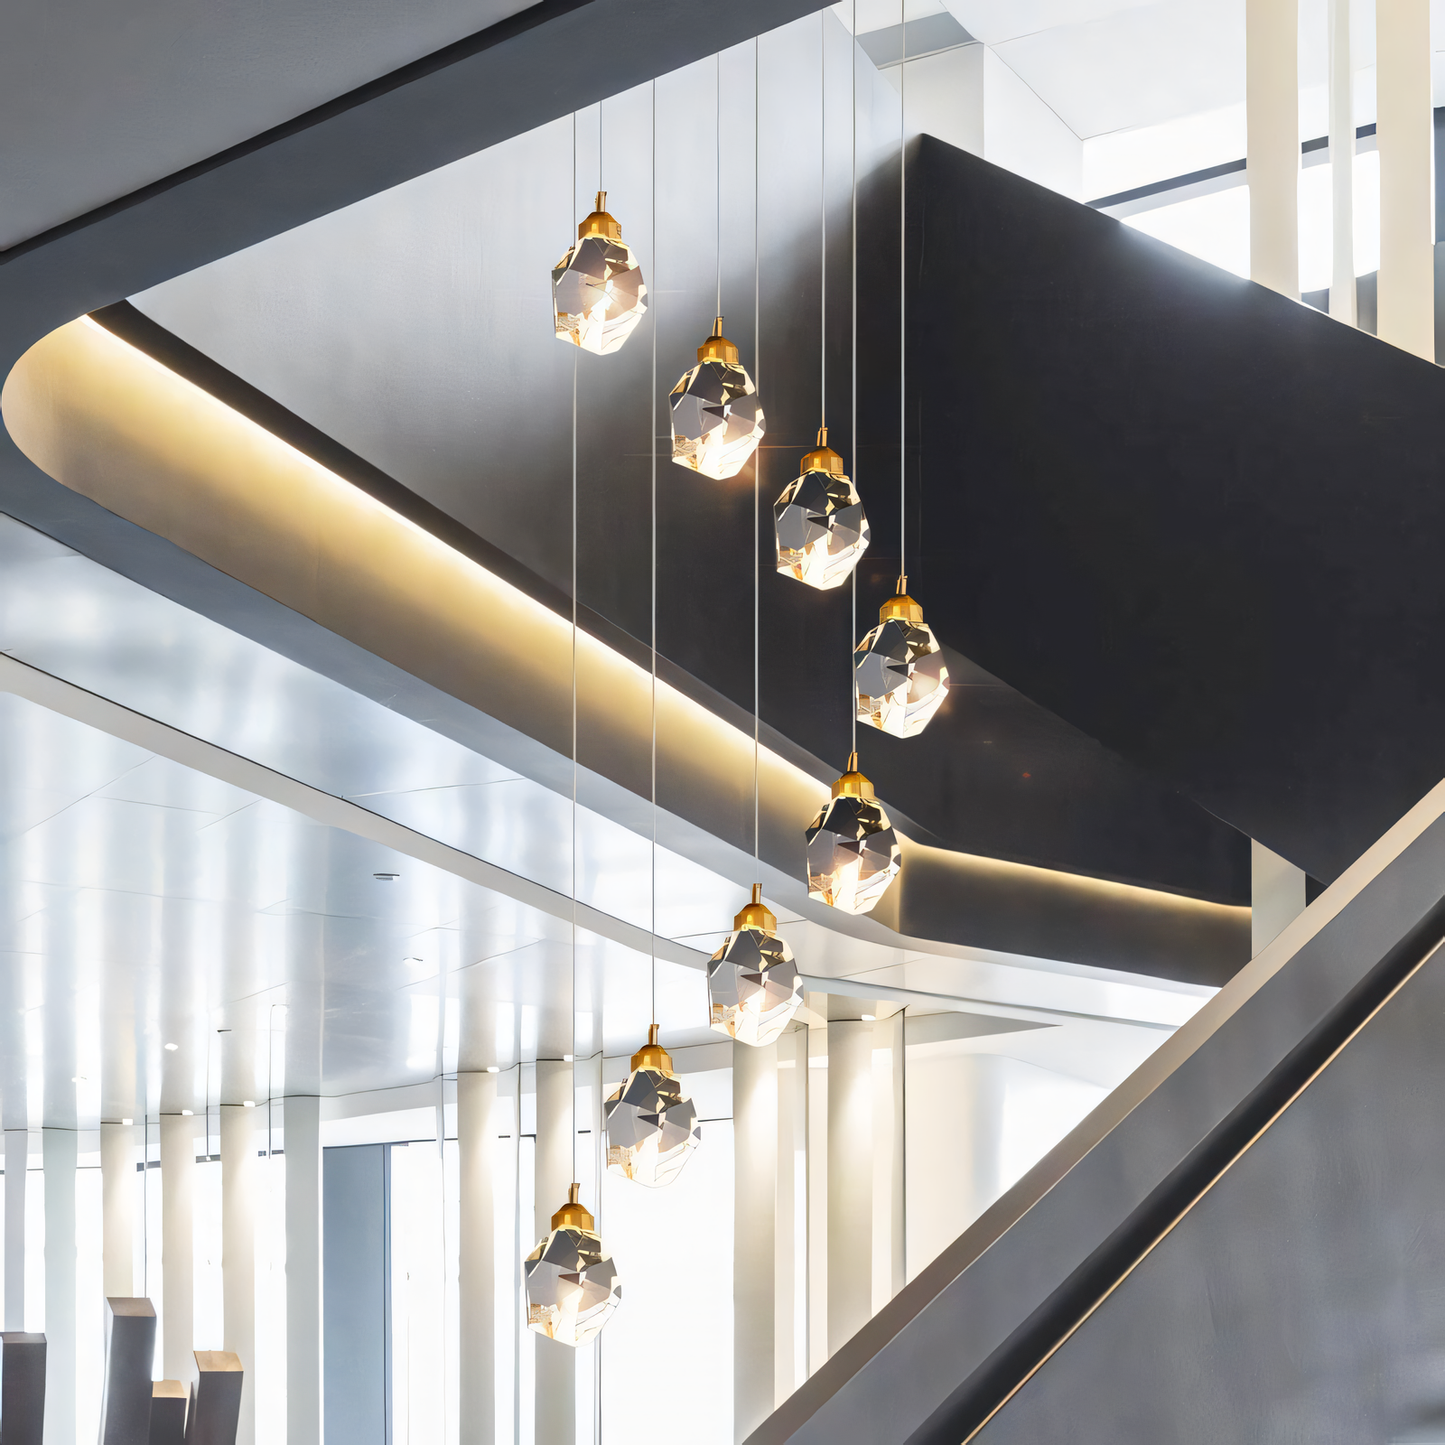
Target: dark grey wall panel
1192 517
1303 1299
356 1282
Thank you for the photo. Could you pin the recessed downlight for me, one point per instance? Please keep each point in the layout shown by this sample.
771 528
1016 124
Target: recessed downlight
188 1113
171 1048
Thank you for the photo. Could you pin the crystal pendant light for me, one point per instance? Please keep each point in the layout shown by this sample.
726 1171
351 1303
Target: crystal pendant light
717 420
853 852
753 986
572 1286
598 295
898 669
819 521
652 1125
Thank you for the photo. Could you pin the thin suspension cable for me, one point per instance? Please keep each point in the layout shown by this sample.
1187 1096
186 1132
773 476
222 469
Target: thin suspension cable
823 217
853 402
902 297
653 450
573 1001
758 455
599 145
717 166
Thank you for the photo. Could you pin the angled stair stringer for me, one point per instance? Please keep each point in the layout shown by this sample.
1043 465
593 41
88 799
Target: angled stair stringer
985 1327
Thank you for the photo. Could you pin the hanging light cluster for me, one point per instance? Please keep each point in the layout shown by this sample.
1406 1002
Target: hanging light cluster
598 294
899 673
753 984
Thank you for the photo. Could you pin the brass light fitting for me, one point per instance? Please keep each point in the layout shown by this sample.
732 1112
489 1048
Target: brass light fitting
853 784
652 1055
717 347
901 605
573 1215
823 458
757 914
599 223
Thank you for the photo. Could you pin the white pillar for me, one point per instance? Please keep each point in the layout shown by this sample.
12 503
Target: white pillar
1342 164
17 1161
556 1365
790 1303
755 1188
477 1155
1277 896
889 1258
117 1183
1403 128
1271 45
58 1157
817 1086
302 1126
178 1293
850 1180
238 1254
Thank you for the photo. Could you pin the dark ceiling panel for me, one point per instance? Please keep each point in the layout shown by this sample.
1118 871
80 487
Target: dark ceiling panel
1196 519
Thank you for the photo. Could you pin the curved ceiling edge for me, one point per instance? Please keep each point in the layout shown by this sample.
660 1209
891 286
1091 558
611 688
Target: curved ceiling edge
115 426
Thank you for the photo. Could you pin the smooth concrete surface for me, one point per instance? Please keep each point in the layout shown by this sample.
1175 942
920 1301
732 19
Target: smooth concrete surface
178 1249
755 1222
1271 42
238 1253
118 1180
59 1155
17 1146
22 1388
130 1347
479 1159
555 1364
303 1270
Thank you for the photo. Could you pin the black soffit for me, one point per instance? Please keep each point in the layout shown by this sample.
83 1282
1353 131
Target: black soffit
1198 520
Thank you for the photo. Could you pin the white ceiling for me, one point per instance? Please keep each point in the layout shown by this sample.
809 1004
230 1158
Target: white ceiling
97 100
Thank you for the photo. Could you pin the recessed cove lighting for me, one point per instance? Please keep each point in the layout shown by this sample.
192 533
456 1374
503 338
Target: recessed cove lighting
171 1048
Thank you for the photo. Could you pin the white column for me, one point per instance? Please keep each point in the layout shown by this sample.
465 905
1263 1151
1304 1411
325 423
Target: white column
556 1365
1271 45
817 1086
238 1254
117 1183
17 1151
1277 896
755 1188
302 1126
790 1303
1342 164
477 1154
850 1180
58 1148
888 1085
178 1293
1403 133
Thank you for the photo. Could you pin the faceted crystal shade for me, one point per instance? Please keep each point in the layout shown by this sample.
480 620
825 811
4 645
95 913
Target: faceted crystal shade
853 854
572 1287
821 529
753 986
652 1128
900 675
717 420
598 294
